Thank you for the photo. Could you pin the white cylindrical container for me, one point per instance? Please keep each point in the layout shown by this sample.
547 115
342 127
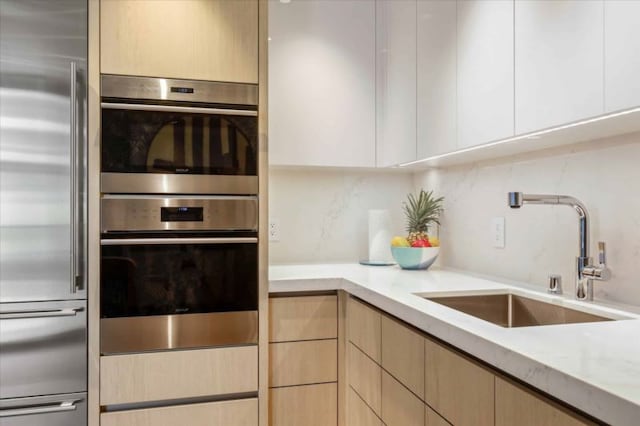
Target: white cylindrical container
380 236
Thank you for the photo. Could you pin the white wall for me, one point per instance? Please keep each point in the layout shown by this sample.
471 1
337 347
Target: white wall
603 174
323 212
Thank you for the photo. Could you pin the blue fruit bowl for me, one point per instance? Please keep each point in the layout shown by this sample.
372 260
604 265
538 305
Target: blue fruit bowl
415 257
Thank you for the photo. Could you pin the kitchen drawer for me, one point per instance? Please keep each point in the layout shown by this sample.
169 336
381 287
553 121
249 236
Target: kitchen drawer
44 348
309 405
517 405
301 363
178 374
403 354
364 377
240 412
359 413
460 390
303 318
52 410
399 406
363 328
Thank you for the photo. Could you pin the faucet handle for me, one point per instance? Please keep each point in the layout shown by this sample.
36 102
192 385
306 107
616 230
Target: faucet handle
602 254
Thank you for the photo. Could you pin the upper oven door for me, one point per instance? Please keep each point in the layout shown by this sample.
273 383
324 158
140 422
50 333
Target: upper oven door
172 136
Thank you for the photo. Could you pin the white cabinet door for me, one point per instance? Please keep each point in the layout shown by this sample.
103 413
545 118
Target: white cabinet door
485 71
558 62
436 82
621 54
322 83
395 81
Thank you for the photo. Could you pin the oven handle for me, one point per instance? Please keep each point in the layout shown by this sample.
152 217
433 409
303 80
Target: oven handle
172 108
152 241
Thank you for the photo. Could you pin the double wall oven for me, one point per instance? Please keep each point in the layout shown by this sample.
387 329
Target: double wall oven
179 214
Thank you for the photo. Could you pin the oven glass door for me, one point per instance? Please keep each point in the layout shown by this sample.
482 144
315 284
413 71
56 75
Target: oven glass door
177 142
144 277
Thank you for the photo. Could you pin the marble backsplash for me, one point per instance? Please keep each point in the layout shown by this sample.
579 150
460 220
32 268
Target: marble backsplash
540 240
322 213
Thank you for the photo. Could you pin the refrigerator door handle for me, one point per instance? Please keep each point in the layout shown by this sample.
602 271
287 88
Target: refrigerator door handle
53 408
66 312
75 175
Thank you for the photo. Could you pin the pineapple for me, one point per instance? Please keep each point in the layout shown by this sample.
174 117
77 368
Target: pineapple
421 212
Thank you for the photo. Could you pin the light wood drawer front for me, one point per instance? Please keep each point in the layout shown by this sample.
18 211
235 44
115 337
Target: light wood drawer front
403 354
399 406
364 328
517 405
432 418
301 363
359 413
310 405
229 413
303 318
365 377
177 374
457 388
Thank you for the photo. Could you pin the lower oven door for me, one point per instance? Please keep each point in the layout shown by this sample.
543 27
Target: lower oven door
178 293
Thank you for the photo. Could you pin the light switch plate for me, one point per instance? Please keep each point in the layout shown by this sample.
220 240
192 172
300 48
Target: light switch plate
497 232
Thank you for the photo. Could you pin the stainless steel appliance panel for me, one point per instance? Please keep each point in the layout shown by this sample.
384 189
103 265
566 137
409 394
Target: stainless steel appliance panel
43 348
136 213
43 49
170 89
161 332
52 410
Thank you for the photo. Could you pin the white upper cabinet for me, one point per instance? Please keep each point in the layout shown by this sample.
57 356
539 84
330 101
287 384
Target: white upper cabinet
558 62
436 82
395 81
485 71
622 54
322 83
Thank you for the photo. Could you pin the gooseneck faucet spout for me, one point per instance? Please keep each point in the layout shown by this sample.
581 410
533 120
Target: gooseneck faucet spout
585 272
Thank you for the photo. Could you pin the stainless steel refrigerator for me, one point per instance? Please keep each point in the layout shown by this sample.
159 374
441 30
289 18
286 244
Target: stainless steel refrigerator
43 350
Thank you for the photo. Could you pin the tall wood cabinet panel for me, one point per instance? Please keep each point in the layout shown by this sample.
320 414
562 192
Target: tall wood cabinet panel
517 405
558 62
197 39
303 318
621 54
457 388
399 406
484 71
241 412
364 328
403 354
436 80
395 81
311 405
322 83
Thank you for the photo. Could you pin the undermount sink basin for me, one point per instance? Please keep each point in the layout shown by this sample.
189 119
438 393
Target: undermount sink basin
511 310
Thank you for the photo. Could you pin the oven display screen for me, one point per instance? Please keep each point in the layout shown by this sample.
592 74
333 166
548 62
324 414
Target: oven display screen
181 214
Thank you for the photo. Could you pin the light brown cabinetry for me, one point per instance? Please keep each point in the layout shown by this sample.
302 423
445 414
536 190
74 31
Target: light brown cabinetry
177 374
518 405
303 360
403 354
458 388
358 412
195 39
365 377
364 328
242 412
399 406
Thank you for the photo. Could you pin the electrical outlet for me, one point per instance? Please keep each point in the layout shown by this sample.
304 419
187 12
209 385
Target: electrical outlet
497 232
274 230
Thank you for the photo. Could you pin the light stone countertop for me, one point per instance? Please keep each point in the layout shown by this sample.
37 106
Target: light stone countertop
594 367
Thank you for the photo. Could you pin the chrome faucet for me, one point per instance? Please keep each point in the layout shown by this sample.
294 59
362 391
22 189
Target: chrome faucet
586 272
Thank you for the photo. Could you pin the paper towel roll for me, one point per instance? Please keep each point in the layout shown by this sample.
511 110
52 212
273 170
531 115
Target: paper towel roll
379 236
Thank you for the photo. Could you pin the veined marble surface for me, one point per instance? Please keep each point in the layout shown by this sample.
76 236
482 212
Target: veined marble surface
594 367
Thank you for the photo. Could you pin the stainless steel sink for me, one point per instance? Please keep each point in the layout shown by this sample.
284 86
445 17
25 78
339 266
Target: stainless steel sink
510 310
